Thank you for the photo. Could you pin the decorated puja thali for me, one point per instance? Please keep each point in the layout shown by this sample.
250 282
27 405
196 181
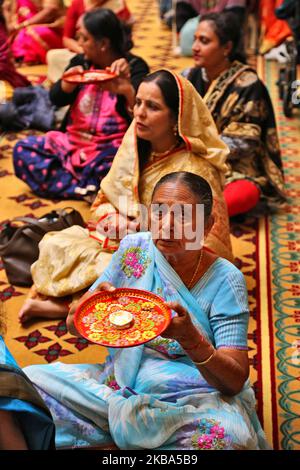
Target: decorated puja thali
122 318
88 76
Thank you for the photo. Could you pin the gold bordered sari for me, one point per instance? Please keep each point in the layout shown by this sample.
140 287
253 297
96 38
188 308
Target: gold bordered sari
242 110
82 258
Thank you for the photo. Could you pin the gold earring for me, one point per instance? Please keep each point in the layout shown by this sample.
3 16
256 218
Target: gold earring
175 130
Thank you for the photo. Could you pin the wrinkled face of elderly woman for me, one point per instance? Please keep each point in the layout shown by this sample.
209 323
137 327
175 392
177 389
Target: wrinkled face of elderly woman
177 219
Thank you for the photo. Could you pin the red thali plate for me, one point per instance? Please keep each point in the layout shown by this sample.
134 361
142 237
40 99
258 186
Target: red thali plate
151 316
89 76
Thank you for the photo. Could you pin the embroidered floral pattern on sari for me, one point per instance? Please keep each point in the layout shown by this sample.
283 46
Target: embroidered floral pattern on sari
166 346
112 383
210 436
134 262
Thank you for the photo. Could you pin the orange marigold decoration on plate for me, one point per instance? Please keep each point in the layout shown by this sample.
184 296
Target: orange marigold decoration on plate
149 317
89 76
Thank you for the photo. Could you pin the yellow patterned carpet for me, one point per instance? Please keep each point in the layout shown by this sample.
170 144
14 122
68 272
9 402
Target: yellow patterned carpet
267 251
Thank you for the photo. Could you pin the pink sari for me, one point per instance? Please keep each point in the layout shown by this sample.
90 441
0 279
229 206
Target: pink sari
32 43
94 127
71 164
8 72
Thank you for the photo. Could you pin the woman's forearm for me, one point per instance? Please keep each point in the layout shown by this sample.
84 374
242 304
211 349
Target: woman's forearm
226 369
59 96
46 15
223 371
9 13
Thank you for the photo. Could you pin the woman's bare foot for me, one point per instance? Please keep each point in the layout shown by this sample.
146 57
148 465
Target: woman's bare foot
36 308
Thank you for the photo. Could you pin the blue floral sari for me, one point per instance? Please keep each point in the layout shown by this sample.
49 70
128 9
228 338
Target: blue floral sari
153 396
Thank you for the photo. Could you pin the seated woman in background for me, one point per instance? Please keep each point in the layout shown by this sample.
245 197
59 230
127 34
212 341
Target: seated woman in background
186 389
71 164
242 109
163 137
187 9
36 27
9 77
58 59
187 15
78 8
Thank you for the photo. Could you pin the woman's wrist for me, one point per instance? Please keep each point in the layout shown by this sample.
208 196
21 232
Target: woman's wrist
192 340
24 24
19 26
201 355
199 350
203 362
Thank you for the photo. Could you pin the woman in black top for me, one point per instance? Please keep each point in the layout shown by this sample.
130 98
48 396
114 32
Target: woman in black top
71 163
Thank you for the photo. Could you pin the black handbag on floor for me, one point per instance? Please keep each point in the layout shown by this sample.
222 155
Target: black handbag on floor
19 244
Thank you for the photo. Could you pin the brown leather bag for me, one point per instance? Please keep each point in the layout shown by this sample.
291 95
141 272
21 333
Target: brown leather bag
19 244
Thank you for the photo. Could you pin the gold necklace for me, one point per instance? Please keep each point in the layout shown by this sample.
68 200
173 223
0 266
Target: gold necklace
163 154
196 270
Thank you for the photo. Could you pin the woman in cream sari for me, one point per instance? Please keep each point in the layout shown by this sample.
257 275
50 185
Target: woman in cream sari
172 131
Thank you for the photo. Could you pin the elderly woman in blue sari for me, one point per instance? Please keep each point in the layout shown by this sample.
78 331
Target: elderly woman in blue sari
25 421
187 389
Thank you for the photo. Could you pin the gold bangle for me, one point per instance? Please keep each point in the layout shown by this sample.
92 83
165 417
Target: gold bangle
206 360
